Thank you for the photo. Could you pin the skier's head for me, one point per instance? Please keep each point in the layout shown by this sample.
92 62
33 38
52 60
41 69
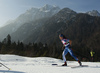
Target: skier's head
61 36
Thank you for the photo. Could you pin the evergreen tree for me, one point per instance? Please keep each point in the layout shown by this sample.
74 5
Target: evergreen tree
8 40
4 41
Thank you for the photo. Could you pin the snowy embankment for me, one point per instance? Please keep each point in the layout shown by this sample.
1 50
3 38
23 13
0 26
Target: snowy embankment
19 64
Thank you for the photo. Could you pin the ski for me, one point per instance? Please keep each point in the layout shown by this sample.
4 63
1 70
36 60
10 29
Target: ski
72 66
62 66
79 66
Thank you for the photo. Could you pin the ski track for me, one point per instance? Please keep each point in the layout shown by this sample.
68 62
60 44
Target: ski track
19 64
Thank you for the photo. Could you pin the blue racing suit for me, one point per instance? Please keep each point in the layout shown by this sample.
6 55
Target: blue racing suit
67 49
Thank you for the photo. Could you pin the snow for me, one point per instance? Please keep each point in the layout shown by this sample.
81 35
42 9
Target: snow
19 64
93 13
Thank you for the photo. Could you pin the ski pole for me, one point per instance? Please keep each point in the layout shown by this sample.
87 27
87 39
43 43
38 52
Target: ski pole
5 66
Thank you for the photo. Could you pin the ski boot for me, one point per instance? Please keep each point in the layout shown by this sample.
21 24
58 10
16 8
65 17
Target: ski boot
79 62
65 64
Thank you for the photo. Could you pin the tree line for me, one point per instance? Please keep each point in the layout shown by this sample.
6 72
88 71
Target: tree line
30 49
42 50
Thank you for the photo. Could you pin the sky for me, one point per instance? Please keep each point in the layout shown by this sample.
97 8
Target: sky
11 9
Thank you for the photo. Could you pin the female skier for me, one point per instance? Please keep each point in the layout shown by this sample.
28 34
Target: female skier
66 43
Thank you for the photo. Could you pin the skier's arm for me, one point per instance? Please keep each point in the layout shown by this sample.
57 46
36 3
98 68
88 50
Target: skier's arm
70 42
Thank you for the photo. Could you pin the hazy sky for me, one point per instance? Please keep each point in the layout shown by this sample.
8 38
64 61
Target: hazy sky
11 9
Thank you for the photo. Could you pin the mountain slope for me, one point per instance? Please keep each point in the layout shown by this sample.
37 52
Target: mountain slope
27 29
30 15
84 31
51 26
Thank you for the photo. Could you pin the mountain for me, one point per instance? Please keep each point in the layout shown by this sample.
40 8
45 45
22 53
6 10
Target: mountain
28 29
81 28
30 32
38 13
30 15
93 13
84 31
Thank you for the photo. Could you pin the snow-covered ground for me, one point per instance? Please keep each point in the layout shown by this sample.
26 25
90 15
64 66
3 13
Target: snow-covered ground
19 64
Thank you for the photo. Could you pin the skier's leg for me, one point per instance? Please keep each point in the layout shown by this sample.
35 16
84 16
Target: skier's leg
63 55
71 53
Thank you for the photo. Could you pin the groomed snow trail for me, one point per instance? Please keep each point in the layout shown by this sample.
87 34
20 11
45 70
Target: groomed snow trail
19 64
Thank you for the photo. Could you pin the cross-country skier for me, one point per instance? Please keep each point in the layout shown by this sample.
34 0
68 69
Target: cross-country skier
66 43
